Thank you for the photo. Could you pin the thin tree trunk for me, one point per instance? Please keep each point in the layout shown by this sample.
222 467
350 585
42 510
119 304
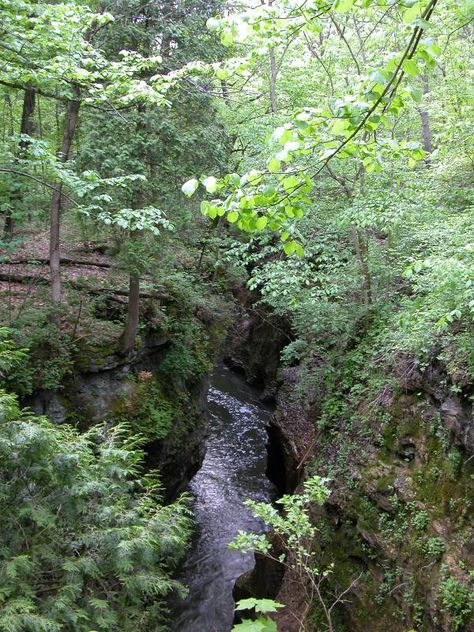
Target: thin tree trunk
127 339
273 75
225 91
273 78
362 257
426 138
26 127
70 125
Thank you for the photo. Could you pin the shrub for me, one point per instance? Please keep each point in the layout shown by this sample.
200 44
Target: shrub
456 600
86 543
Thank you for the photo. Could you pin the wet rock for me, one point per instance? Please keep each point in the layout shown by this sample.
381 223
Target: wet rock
49 404
264 581
458 418
406 449
254 347
293 428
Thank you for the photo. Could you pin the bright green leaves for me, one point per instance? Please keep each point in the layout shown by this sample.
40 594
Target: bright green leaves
274 165
210 184
290 183
293 247
261 222
261 605
340 126
48 46
350 127
256 201
379 77
294 528
261 624
411 67
343 6
412 13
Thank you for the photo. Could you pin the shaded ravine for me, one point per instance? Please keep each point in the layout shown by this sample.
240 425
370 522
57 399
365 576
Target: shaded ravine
233 470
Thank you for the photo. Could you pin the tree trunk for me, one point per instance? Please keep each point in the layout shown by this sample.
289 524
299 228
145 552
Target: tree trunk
225 91
26 127
361 248
70 125
127 339
425 122
273 78
273 75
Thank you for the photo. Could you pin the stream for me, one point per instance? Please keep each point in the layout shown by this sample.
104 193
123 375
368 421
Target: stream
233 470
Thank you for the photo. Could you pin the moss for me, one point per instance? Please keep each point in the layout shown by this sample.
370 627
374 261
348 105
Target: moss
149 410
385 483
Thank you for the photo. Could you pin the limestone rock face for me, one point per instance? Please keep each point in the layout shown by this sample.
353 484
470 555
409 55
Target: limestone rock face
457 417
254 347
399 521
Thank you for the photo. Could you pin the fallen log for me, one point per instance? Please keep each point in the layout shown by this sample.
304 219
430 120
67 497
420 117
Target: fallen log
64 260
90 289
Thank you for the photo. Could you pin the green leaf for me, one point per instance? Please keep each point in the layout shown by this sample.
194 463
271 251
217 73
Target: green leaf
232 217
416 94
378 77
344 6
190 187
222 74
210 184
410 67
290 183
252 626
290 247
274 165
227 38
299 250
267 605
261 223
411 14
340 125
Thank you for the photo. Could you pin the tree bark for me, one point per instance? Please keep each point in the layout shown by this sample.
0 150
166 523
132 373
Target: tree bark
273 78
26 127
127 339
361 249
70 125
426 139
273 75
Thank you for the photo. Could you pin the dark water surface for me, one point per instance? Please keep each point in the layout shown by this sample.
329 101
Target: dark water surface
233 470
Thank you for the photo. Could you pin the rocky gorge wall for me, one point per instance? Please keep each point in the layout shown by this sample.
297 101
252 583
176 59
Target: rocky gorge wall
398 526
152 389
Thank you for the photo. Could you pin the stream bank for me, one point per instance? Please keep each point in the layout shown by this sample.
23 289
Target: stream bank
399 521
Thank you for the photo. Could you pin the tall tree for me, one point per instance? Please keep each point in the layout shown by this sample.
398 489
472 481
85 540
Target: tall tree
162 146
26 129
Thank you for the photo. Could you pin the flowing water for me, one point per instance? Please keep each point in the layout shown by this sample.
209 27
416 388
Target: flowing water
233 470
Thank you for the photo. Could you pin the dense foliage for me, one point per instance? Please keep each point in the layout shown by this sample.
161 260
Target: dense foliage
86 542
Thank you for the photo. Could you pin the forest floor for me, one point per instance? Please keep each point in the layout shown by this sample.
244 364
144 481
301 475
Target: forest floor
93 287
89 275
